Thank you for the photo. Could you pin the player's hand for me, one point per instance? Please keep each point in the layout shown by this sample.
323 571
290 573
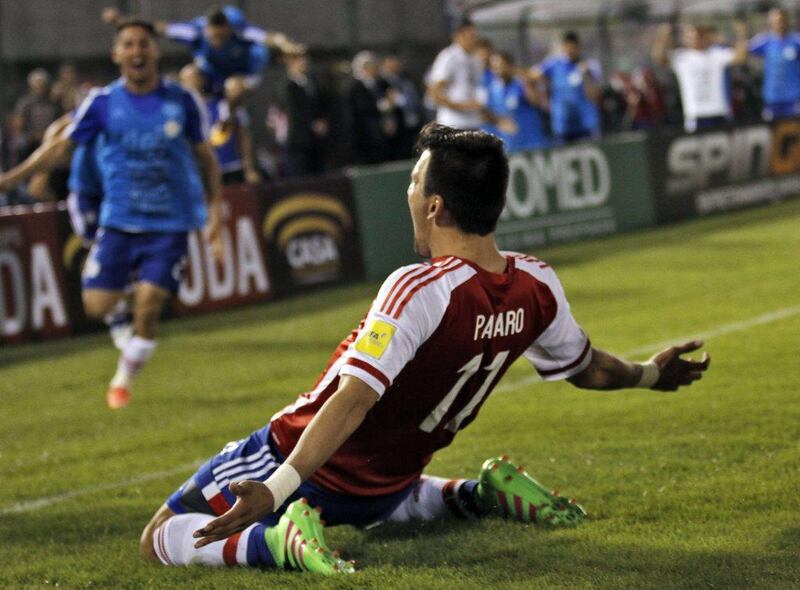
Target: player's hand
677 372
213 232
507 125
5 186
253 500
740 27
252 176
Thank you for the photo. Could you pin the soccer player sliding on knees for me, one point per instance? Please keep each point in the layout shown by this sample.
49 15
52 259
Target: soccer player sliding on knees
437 339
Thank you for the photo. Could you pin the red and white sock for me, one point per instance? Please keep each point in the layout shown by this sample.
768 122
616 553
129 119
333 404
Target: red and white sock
174 543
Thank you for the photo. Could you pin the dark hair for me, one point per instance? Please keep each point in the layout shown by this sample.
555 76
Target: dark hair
571 37
505 56
217 18
462 24
137 22
469 171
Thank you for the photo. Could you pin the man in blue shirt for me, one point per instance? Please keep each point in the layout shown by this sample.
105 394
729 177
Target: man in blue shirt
574 90
233 143
152 150
517 100
230 52
780 50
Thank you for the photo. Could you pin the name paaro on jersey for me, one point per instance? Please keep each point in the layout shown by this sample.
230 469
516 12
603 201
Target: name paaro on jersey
505 323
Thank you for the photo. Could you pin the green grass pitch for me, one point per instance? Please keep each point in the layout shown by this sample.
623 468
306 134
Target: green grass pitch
691 490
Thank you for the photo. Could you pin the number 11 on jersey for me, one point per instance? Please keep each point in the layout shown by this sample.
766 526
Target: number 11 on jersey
467 372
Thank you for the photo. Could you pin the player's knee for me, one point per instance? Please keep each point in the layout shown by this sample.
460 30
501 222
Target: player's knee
146 543
94 308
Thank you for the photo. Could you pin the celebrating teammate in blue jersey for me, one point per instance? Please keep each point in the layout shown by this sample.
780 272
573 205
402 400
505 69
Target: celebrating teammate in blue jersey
574 90
780 50
230 53
151 151
518 100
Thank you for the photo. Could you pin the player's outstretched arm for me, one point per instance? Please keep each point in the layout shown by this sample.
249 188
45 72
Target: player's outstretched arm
338 418
665 371
279 41
114 17
44 158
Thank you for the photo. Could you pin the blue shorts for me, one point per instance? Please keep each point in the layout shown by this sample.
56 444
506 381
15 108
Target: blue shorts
84 214
118 258
780 110
255 458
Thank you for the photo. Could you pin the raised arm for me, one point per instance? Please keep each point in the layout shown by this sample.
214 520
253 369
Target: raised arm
46 157
662 45
740 46
665 371
338 418
114 17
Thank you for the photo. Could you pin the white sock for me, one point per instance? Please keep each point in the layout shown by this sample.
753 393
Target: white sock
433 497
132 359
174 543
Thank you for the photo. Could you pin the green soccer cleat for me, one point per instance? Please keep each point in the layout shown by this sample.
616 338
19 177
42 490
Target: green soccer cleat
297 543
507 490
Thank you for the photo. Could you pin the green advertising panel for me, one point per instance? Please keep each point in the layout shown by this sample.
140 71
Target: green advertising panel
575 192
384 223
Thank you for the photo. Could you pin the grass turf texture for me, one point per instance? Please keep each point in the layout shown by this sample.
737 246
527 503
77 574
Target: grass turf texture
690 490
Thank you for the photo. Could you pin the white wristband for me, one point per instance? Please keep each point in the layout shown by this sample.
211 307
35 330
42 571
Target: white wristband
282 483
650 375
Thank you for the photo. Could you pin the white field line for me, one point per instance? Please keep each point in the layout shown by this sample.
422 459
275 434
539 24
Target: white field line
44 502
720 330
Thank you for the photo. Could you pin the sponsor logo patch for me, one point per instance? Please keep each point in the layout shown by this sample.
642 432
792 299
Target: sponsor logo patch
375 339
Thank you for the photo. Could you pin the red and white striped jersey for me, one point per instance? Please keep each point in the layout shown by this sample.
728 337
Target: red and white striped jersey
435 342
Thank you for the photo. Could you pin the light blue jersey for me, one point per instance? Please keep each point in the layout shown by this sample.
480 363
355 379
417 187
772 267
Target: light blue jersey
149 175
507 99
781 57
572 113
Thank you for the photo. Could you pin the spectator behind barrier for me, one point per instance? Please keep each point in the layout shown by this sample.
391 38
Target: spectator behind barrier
372 104
518 100
230 131
408 104
780 50
700 67
455 80
36 110
306 108
574 84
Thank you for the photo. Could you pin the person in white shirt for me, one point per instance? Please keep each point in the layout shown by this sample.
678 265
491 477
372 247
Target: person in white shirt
455 81
700 67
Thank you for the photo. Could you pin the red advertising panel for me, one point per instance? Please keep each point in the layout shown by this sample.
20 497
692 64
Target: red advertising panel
242 275
34 298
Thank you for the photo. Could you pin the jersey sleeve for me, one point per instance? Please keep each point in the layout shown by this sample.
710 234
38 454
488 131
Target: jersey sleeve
185 33
258 59
563 349
442 69
255 34
197 128
547 66
724 55
90 118
385 344
595 70
758 45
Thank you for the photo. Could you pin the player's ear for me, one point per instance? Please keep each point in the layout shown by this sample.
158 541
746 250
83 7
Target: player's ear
435 208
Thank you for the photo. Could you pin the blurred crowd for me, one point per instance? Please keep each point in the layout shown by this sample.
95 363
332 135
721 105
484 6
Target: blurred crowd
694 78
